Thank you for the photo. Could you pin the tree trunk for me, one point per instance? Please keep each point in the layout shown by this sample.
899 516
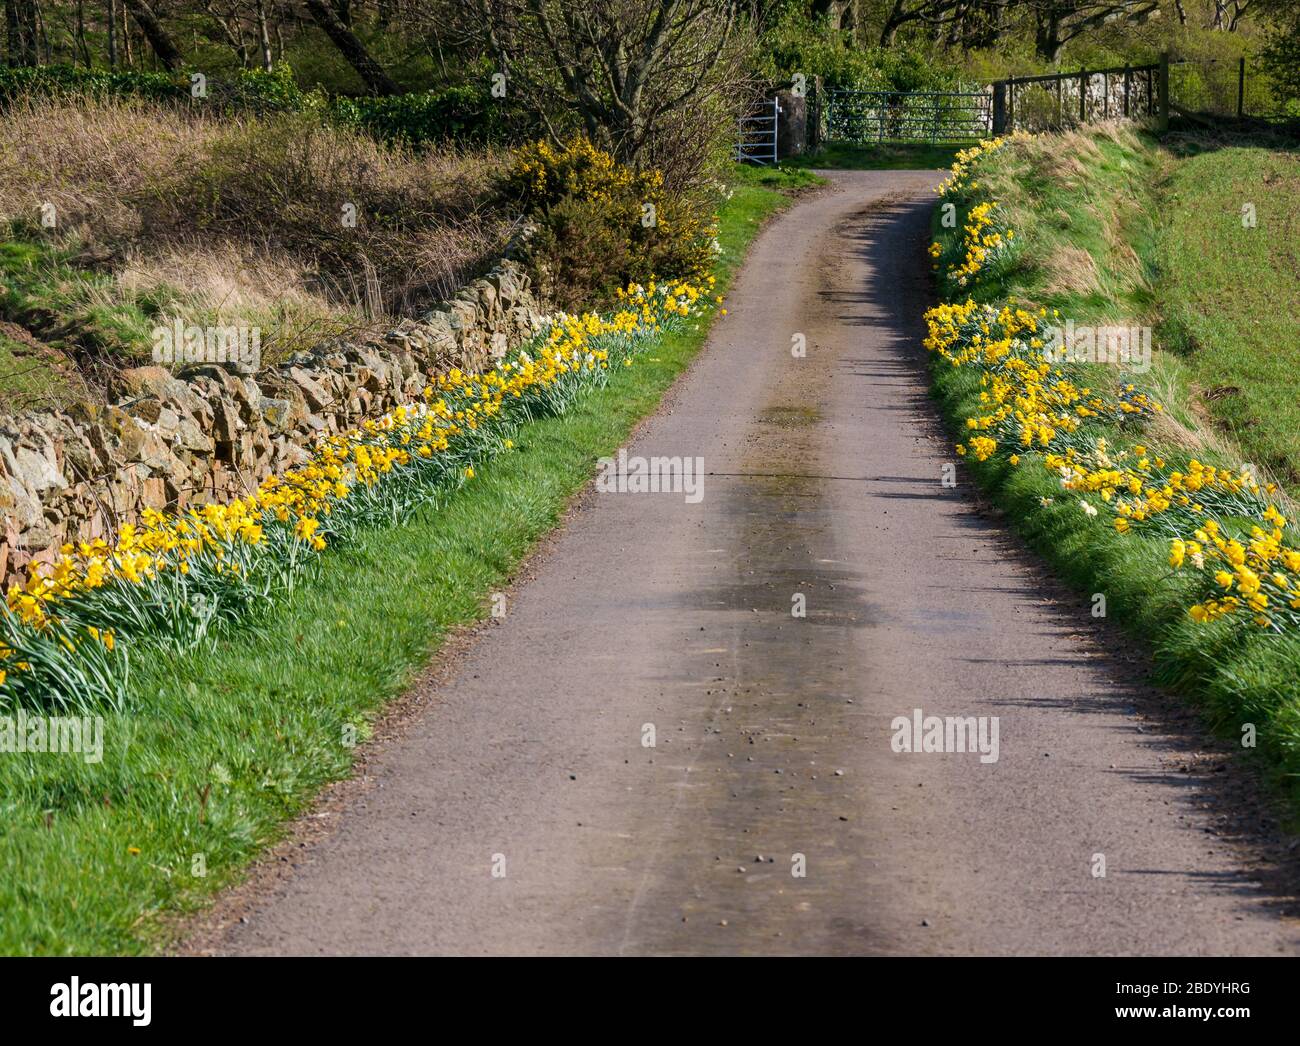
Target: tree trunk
80 44
112 34
1047 35
163 46
892 22
279 36
264 37
372 74
13 36
42 35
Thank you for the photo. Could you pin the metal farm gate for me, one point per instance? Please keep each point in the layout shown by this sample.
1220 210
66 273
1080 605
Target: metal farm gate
756 136
908 116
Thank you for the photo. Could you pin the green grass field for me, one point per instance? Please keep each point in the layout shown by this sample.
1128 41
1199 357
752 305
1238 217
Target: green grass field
1229 285
220 746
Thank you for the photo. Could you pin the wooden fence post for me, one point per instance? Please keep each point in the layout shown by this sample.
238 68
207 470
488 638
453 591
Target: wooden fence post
1128 85
1083 96
1162 119
1241 87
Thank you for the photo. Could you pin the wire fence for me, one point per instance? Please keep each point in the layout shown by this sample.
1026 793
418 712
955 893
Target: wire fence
1232 88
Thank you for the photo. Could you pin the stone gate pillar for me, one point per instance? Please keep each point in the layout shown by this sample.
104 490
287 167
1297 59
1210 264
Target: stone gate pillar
791 124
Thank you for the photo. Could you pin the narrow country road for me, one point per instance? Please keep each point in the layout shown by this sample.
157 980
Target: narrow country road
773 732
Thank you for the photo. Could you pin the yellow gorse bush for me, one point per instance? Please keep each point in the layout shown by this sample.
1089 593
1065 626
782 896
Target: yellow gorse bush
543 173
175 578
627 215
1222 524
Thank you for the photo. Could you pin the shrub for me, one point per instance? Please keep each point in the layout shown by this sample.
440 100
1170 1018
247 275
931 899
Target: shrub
461 113
60 81
604 225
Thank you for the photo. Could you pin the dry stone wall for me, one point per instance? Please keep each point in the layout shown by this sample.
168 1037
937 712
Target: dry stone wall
212 431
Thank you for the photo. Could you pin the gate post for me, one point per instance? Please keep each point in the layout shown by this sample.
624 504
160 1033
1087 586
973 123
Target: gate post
1162 120
999 107
815 108
791 125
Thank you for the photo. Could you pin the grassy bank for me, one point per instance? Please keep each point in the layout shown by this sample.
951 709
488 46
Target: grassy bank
1095 237
223 745
1229 280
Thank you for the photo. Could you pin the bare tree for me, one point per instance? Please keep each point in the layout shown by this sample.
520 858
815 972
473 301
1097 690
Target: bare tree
112 34
1228 13
1057 22
934 14
624 70
230 27
21 33
263 37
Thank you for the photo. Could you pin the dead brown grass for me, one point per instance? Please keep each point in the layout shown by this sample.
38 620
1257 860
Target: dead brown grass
1070 270
247 218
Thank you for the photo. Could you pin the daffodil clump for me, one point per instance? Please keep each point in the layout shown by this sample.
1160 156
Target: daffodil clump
1148 493
1027 402
1223 524
984 238
1254 576
174 580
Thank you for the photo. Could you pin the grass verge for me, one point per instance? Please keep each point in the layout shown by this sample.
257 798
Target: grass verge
225 745
1092 240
